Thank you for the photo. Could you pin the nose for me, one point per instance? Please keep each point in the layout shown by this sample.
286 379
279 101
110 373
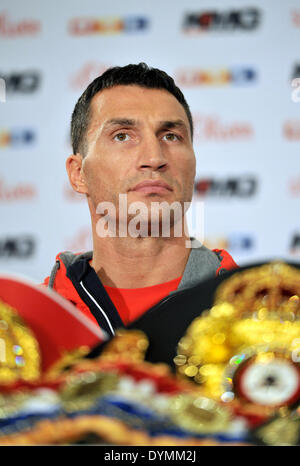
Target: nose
151 154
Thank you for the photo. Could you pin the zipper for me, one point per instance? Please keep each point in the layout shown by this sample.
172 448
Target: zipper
163 301
99 307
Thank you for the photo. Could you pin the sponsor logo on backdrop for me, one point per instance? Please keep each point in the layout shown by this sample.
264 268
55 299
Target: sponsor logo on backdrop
85 26
295 71
295 83
296 18
235 242
296 90
81 241
246 19
21 82
291 130
211 128
71 195
295 244
241 187
17 138
294 186
234 76
2 90
17 247
11 27
16 192
87 73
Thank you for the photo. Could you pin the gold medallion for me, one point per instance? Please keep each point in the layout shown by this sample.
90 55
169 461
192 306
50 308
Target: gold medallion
247 346
198 414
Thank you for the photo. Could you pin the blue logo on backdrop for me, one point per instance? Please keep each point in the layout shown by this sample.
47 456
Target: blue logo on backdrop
235 242
236 75
83 26
240 242
17 138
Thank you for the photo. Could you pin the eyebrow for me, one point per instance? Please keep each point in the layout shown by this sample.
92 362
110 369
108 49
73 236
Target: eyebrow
168 124
120 122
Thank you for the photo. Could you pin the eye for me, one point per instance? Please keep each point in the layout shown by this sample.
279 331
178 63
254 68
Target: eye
274 383
122 137
171 137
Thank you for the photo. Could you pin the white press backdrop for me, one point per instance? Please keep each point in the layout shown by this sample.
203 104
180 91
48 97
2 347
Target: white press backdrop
234 61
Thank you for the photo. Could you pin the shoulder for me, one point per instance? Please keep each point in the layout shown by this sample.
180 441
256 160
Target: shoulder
218 257
226 261
62 261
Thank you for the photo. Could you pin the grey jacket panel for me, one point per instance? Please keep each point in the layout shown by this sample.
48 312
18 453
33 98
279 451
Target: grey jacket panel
201 265
53 274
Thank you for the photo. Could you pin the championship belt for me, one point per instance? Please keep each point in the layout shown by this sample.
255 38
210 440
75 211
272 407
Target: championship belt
245 349
236 378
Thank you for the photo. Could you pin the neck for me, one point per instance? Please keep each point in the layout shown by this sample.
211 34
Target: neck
139 262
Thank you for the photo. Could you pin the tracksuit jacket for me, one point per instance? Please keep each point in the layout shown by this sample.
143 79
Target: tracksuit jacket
74 279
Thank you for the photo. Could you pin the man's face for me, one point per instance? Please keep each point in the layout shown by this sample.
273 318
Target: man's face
138 135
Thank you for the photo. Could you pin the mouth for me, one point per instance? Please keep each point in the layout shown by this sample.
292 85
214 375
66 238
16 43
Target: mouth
152 186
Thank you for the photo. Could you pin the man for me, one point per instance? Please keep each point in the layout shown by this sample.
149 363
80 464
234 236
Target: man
132 134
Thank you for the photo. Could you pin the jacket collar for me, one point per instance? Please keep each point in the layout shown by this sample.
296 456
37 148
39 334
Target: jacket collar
202 264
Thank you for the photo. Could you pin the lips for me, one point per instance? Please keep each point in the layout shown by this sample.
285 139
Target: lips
152 186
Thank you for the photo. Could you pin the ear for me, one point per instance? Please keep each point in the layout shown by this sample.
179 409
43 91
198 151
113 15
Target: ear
74 169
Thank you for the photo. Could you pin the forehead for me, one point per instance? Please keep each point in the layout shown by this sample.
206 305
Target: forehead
135 102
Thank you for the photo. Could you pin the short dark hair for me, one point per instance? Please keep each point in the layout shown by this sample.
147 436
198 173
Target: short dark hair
141 75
